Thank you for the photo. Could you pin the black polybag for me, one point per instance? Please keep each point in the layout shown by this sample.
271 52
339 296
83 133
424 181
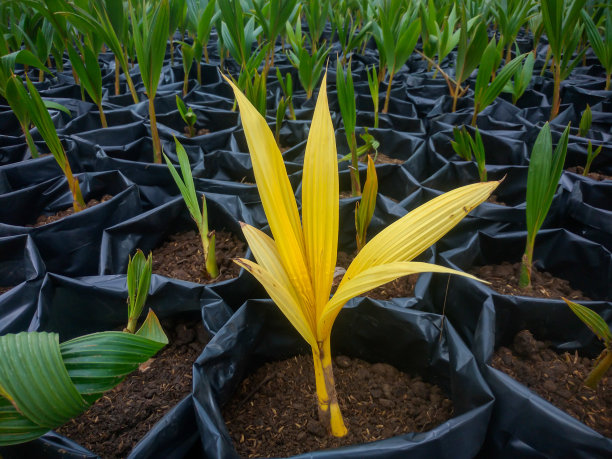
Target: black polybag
523 424
589 211
71 245
258 332
77 306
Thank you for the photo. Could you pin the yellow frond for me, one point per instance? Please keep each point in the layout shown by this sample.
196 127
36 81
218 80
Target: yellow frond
276 195
415 232
320 200
369 279
282 298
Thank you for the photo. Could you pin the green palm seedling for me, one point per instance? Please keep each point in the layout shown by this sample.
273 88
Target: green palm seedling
563 30
19 106
351 32
472 44
237 32
348 110
545 168
364 208
150 31
438 30
188 53
34 105
486 92
374 86
178 11
521 79
187 188
308 64
187 114
296 266
510 16
316 13
286 85
200 19
271 15
108 18
396 32
591 155
602 46
600 328
585 122
85 63
45 383
466 147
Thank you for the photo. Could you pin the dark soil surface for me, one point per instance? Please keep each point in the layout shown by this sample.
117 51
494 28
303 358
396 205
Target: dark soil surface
399 288
592 175
199 132
116 422
381 158
181 257
46 219
504 279
4 289
274 411
559 378
493 199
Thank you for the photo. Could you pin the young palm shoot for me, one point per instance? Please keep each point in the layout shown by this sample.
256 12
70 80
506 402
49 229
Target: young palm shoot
591 155
187 188
510 16
348 110
486 92
286 85
200 20
37 109
374 86
522 78
138 283
585 122
466 146
150 33
281 111
297 267
600 328
44 384
188 115
545 168
563 30
602 46
364 208
188 52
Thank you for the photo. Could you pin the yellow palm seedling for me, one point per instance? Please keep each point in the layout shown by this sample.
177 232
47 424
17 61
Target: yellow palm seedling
297 267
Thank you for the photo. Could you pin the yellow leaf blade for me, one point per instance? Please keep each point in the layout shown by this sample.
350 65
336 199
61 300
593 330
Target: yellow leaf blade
276 194
320 200
416 231
369 279
267 256
282 298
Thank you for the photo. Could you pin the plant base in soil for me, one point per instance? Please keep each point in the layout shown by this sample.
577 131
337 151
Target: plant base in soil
274 411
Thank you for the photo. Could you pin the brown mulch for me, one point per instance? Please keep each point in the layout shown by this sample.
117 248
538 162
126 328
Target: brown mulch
274 411
592 175
399 288
504 279
559 378
5 289
181 257
46 219
113 425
